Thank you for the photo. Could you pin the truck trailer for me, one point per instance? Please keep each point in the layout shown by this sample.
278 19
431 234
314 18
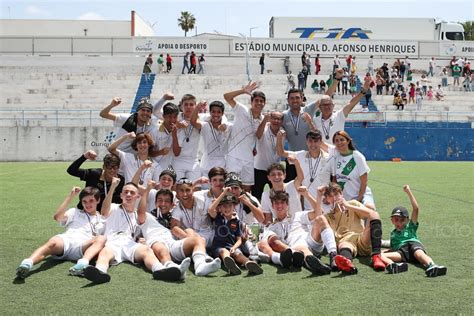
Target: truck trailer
317 28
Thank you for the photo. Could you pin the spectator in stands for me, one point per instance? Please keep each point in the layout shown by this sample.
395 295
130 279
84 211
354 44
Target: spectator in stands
424 84
370 65
161 64
398 102
336 63
315 86
409 74
429 93
185 63
431 67
100 178
193 62
345 82
368 94
411 93
444 77
201 62
439 94
147 67
308 64
305 73
169 63
322 86
403 68
291 82
303 59
349 62
467 82
456 74
301 81
419 99
353 65
317 64
353 84
286 64
262 63
379 82
403 94
452 62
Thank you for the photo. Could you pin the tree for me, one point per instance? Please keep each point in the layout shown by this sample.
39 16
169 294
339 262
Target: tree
186 22
469 30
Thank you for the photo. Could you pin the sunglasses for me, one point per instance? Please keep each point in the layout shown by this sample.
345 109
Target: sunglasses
184 181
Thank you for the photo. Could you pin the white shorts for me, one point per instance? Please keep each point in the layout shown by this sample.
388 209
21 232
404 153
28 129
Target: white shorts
210 163
175 247
123 247
306 240
72 247
186 169
208 236
267 233
243 168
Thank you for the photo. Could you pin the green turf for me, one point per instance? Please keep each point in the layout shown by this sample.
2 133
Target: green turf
30 193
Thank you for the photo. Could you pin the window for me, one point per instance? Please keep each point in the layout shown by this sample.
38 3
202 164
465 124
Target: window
455 36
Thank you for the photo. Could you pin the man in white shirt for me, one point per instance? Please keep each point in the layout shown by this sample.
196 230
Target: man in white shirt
242 139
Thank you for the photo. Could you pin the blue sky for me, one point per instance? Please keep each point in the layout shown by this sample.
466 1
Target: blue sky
231 17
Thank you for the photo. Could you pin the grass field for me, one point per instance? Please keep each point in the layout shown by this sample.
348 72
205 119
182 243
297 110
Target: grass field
30 193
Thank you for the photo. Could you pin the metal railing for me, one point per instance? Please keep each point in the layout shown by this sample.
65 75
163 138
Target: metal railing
91 118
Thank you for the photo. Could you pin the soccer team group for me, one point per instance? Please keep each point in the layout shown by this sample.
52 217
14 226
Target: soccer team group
153 202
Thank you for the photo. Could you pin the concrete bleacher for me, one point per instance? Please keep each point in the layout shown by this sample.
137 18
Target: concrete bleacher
89 83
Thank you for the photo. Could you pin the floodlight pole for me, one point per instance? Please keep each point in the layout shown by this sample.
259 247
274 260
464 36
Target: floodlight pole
247 57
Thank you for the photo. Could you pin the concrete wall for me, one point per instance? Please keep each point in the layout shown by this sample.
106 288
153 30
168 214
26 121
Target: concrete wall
65 28
227 46
66 144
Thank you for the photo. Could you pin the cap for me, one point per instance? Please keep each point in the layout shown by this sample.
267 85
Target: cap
229 197
170 172
233 180
144 104
400 211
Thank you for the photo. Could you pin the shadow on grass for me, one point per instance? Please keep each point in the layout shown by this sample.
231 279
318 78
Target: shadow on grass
47 264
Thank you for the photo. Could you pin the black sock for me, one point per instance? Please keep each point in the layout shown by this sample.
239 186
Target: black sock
376 236
346 252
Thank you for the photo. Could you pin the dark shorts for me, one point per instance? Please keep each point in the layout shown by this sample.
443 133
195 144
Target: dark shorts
407 251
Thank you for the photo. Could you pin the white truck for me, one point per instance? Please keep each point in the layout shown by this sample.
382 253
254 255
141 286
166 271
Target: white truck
365 28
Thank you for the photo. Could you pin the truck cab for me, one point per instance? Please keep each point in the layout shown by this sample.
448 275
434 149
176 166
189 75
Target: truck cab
450 31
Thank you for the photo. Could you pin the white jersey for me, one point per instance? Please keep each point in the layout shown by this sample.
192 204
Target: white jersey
215 146
316 172
242 137
151 229
348 170
301 224
163 139
329 127
121 222
129 164
196 218
118 123
266 150
281 229
188 140
294 203
82 225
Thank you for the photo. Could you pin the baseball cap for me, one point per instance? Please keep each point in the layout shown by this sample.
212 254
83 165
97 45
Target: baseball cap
400 211
229 197
233 180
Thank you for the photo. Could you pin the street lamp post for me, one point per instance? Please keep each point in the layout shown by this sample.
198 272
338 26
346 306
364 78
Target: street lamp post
252 28
247 57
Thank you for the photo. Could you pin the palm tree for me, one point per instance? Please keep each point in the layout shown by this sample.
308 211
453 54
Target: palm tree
186 22
469 30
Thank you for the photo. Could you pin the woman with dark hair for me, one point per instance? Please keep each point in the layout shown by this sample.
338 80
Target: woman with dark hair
130 162
350 170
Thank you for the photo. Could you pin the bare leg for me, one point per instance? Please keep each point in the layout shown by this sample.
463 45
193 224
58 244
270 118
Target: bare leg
161 252
54 246
93 247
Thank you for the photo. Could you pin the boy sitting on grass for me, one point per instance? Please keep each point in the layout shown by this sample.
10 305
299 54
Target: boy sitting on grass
228 236
406 247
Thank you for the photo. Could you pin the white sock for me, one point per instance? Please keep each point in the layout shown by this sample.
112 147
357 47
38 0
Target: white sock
276 258
327 236
201 267
83 261
251 248
156 266
169 264
184 266
27 262
102 267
